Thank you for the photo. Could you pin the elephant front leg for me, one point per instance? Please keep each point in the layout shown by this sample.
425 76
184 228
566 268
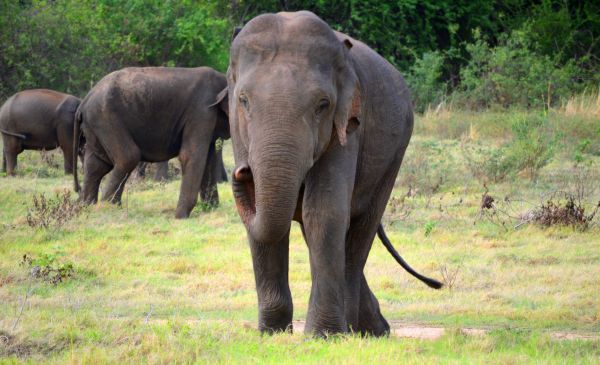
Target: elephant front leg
275 307
325 240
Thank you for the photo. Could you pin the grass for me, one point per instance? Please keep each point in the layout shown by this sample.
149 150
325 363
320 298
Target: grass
148 288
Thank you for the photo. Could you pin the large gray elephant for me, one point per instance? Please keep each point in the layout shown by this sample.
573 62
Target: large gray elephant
319 124
152 114
37 119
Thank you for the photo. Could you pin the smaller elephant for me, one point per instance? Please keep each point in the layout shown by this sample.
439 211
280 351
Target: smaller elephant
161 172
152 114
38 119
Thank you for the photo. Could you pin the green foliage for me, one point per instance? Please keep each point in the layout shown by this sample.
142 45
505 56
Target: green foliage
69 45
49 267
511 74
532 147
429 226
522 53
425 80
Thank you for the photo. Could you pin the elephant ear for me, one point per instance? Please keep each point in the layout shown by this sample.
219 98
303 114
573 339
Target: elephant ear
222 102
222 130
346 119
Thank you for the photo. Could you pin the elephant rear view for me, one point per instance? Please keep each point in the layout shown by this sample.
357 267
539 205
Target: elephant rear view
152 114
37 119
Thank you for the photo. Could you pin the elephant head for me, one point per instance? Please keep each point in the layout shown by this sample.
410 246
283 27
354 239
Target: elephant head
293 92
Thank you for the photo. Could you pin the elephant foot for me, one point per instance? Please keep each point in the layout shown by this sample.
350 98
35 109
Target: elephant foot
181 214
275 328
276 318
325 327
370 320
372 324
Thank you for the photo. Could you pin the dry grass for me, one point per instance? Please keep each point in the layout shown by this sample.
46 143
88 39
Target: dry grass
586 104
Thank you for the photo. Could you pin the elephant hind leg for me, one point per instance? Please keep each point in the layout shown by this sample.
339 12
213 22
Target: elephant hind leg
362 308
12 148
65 141
95 169
124 166
370 319
208 188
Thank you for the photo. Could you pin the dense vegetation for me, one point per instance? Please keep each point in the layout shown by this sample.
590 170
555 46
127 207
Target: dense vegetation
476 54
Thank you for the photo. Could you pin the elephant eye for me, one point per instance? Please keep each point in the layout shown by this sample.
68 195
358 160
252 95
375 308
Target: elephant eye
244 101
322 106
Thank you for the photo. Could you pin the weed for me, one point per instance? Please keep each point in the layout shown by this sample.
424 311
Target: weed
429 226
48 158
53 213
565 212
48 268
449 276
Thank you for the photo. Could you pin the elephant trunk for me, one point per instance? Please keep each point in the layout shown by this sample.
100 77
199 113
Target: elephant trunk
267 191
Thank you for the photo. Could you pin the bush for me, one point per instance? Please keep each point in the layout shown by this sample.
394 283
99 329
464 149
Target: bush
511 74
426 167
532 148
424 80
53 213
48 268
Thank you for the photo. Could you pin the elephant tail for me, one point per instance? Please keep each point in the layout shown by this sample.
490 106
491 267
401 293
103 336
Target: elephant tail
18 135
76 139
388 245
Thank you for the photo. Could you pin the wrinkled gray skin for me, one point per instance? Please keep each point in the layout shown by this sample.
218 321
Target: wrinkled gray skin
152 114
37 119
319 124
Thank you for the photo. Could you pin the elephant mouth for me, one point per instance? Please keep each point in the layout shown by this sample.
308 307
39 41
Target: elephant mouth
244 193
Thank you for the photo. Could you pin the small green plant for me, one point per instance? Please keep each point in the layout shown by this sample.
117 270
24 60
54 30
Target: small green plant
48 267
53 213
581 150
429 226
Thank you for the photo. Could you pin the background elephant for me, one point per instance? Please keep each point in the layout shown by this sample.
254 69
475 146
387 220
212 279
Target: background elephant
152 114
161 169
37 119
319 124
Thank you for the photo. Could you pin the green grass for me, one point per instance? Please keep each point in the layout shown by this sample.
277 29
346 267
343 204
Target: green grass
152 289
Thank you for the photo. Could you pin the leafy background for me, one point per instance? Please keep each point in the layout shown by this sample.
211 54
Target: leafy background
475 54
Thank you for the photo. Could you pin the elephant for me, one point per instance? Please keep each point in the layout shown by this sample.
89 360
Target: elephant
162 169
38 119
319 124
153 114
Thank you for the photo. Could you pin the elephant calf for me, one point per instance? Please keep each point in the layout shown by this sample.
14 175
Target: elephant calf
152 114
37 119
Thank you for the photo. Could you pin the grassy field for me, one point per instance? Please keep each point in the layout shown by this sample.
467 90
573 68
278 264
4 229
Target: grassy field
147 288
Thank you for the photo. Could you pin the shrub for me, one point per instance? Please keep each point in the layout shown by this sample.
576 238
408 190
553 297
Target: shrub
424 81
532 148
426 167
512 74
52 213
534 145
48 268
